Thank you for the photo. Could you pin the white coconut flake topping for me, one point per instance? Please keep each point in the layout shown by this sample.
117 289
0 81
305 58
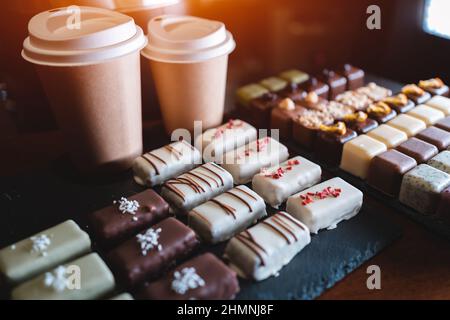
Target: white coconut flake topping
128 206
149 240
40 244
57 279
187 279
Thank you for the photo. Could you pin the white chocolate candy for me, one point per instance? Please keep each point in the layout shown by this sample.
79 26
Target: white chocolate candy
325 205
197 186
388 135
227 214
358 153
440 103
263 250
86 278
408 124
278 183
216 142
45 250
123 296
160 165
427 114
246 161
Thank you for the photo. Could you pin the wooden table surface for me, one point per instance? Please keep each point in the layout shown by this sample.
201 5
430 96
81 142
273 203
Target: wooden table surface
417 266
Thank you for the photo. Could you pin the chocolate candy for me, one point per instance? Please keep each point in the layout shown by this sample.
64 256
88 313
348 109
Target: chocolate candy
249 92
293 92
95 281
420 150
381 112
283 118
421 188
408 124
443 210
416 94
359 122
354 76
440 103
126 217
273 84
294 76
435 87
277 183
157 166
259 110
329 144
388 135
400 103
336 82
29 257
202 278
387 169
438 137
246 161
427 114
358 153
357 101
149 253
217 141
263 250
374 92
444 124
316 86
305 127
197 186
441 161
325 205
227 214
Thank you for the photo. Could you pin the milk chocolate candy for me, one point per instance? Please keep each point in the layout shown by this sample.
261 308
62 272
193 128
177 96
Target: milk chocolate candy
197 186
278 183
259 110
416 94
387 169
293 91
399 103
149 253
283 118
438 137
316 86
421 188
420 150
374 92
354 76
427 114
360 122
441 161
325 205
221 218
435 86
128 216
160 165
336 82
408 124
329 144
95 280
202 278
444 124
216 142
440 103
29 257
305 128
263 250
246 161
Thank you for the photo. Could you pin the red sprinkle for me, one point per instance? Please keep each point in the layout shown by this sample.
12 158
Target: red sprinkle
328 192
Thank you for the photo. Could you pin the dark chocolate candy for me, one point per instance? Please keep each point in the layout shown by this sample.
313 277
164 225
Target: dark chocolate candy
383 118
420 150
443 210
387 169
216 282
283 120
258 112
444 124
328 146
132 264
419 99
314 85
336 82
400 105
293 91
305 128
110 225
438 137
362 127
435 86
354 76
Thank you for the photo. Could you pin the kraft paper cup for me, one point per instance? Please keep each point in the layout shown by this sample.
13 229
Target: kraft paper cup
90 72
188 57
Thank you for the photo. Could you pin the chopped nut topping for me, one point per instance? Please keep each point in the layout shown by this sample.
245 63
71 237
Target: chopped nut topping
435 83
356 117
412 89
380 109
287 104
339 128
398 100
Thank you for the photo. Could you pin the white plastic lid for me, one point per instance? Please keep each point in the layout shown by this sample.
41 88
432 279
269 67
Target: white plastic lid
56 39
185 39
133 5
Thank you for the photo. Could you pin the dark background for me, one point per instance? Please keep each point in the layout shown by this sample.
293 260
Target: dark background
272 35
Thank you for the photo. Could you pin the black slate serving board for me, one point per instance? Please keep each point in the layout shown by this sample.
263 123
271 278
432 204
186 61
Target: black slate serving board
33 202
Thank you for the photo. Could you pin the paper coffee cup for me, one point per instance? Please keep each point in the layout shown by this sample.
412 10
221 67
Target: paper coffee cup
188 57
88 63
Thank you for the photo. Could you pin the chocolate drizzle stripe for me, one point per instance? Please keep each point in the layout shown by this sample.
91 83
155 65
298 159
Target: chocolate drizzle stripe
199 177
201 217
247 234
253 246
192 183
247 193
288 217
209 177
175 190
240 199
158 158
277 230
283 225
228 209
174 151
188 144
214 173
217 166
151 163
